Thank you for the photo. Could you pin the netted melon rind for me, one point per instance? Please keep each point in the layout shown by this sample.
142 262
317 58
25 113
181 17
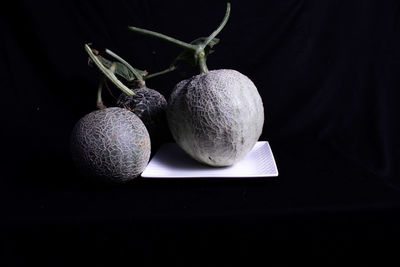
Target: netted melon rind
112 144
150 106
216 117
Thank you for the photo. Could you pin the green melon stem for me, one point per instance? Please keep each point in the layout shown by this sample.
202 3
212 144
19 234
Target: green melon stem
100 104
202 63
171 68
138 76
220 27
198 49
108 72
132 69
162 37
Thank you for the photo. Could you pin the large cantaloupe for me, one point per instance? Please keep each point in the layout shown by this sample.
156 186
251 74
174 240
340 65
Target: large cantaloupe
216 117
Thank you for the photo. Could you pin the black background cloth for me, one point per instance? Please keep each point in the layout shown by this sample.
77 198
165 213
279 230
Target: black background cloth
328 74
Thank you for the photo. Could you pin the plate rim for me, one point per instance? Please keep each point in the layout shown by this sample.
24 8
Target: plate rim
275 167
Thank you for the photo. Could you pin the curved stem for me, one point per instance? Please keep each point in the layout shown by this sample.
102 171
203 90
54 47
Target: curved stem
162 37
99 103
220 27
171 68
198 49
132 69
108 73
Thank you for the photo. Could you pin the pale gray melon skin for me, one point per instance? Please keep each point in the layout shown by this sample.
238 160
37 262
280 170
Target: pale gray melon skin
216 117
112 144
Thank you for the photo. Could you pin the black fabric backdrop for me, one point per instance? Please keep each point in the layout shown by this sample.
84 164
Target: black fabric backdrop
328 74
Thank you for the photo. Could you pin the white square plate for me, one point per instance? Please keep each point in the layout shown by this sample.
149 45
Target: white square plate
171 161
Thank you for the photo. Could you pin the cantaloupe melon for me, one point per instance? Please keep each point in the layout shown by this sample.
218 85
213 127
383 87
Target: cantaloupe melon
111 144
216 117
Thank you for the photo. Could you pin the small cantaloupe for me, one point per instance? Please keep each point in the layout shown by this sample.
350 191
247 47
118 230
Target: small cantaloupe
112 144
216 117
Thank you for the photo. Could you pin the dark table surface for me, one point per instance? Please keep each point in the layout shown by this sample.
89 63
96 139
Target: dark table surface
320 204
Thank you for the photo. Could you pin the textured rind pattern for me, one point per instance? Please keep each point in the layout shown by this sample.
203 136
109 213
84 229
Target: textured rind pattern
111 143
216 117
150 106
